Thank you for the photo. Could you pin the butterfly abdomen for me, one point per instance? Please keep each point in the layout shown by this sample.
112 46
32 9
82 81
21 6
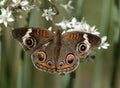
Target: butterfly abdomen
57 41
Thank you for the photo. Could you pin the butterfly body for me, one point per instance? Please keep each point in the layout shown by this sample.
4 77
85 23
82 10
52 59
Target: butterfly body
55 52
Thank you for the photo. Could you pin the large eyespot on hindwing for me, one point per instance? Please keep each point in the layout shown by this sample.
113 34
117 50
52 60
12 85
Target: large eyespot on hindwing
38 58
69 65
41 56
41 62
70 58
69 62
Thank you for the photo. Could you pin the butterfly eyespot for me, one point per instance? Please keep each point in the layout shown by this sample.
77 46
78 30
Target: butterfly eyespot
49 63
70 59
29 42
61 64
41 56
82 47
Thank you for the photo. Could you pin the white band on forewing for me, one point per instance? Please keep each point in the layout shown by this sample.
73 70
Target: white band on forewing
86 41
26 35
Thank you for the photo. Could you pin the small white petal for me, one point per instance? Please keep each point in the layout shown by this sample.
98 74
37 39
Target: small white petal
68 6
9 14
47 18
99 47
104 38
70 30
10 19
50 28
3 11
104 44
1 21
16 1
63 24
93 28
74 20
5 23
104 47
23 3
63 32
94 32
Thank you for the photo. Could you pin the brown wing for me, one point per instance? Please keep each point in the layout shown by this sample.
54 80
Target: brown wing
42 49
75 45
30 38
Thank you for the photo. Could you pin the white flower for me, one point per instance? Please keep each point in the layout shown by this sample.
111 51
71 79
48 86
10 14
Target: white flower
2 3
63 24
74 22
78 26
82 26
20 3
91 30
68 6
48 14
6 16
94 31
104 44
23 4
87 28
28 7
75 25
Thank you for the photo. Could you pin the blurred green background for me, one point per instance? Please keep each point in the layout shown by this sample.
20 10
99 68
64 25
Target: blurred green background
17 70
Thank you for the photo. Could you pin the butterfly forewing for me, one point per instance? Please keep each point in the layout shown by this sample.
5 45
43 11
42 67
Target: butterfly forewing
81 43
31 38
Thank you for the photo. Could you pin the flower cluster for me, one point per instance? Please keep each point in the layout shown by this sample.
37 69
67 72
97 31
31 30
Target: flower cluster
6 13
73 25
82 26
17 5
48 13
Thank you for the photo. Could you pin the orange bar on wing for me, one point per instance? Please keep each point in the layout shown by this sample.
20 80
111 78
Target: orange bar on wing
77 36
45 65
38 32
71 36
44 33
